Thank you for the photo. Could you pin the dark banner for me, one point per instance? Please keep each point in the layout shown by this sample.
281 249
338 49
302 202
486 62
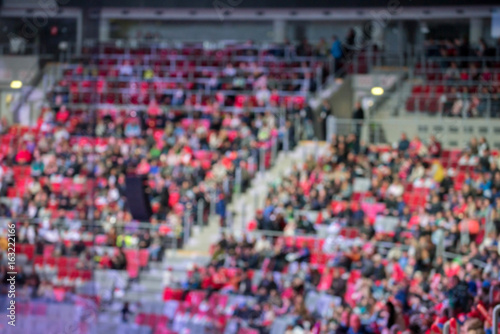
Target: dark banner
271 3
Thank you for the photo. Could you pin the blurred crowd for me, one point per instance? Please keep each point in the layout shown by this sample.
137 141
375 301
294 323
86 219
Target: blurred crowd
464 76
439 261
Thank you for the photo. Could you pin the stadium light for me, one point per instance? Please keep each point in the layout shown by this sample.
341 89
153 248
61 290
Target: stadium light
377 91
16 84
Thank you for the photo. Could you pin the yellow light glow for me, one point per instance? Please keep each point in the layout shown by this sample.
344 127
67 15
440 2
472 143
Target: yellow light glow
16 84
377 91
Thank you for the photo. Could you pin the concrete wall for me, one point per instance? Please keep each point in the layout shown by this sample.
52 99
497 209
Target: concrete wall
217 30
195 31
452 132
342 100
326 29
17 68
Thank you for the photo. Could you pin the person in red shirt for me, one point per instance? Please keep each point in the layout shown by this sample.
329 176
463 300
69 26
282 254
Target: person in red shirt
434 147
153 109
23 156
416 146
143 167
62 115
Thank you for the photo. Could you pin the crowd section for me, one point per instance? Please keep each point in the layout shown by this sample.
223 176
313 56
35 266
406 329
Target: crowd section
359 239
399 239
68 172
74 162
458 80
194 77
54 171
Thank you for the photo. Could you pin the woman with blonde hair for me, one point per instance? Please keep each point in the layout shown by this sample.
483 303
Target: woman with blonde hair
474 326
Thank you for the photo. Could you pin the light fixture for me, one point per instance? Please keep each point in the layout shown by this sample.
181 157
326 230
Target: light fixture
377 91
16 84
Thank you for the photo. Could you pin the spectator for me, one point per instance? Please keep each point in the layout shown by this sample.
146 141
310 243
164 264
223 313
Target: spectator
358 117
336 52
452 73
126 69
321 49
355 326
133 129
119 260
404 143
434 147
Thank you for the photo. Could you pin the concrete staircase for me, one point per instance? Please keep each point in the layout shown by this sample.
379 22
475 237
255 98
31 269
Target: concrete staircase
243 207
149 286
203 238
146 293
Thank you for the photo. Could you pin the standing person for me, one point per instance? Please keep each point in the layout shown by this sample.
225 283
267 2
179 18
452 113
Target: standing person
325 111
355 326
321 49
349 45
336 52
125 312
358 116
458 296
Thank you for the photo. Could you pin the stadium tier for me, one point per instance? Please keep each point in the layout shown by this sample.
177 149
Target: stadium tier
284 170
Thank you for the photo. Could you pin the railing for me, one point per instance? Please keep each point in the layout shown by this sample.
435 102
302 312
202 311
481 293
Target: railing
473 105
448 324
163 71
384 246
496 316
427 63
234 48
451 132
364 59
130 105
19 47
73 314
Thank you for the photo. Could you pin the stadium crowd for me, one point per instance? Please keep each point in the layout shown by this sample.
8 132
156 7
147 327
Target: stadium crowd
398 239
183 159
459 80
439 261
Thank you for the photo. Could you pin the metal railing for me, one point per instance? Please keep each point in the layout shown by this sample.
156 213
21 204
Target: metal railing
451 132
448 324
19 47
163 47
75 313
383 246
427 64
496 316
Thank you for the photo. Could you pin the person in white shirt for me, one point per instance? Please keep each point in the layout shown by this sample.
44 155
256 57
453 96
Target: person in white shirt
168 278
126 69
262 244
27 233
263 95
50 235
60 134
396 189
229 71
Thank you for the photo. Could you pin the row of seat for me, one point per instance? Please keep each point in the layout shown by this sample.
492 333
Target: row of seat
176 71
487 77
237 101
438 90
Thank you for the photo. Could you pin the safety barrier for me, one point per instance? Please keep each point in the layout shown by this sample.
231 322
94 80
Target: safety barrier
453 133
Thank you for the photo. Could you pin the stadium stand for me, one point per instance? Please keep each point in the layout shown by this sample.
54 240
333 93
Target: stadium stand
358 236
459 80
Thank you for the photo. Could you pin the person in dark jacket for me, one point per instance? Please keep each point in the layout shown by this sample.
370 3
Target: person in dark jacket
358 116
245 285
